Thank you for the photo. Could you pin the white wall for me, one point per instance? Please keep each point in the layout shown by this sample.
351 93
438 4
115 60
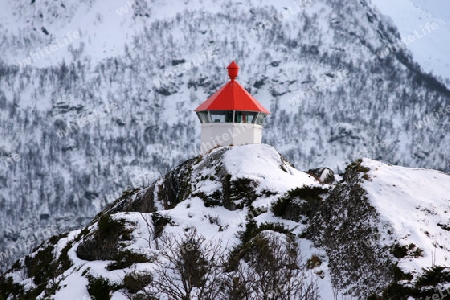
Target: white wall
225 134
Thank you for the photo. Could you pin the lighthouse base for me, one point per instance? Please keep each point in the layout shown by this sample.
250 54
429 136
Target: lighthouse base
226 134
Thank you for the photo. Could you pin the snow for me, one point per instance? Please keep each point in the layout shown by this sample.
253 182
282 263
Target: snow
413 202
259 162
262 163
431 50
74 287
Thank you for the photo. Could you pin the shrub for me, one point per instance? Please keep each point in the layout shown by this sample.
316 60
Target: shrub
426 286
313 262
279 207
43 268
40 267
400 275
100 288
9 288
103 244
357 167
434 275
417 252
402 251
64 262
210 200
251 231
304 201
159 222
238 193
398 291
125 259
107 226
399 251
135 282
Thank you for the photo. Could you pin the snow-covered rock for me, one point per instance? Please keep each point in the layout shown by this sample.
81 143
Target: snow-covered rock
370 234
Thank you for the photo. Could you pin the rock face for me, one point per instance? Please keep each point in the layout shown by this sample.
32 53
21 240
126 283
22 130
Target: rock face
323 175
250 222
346 226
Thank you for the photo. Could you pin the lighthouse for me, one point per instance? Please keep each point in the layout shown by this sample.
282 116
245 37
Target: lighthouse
231 116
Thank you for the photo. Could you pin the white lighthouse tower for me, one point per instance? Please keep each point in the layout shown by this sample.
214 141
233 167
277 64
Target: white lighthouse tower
231 116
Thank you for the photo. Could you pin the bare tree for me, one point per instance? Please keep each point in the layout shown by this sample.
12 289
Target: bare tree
190 268
151 231
271 269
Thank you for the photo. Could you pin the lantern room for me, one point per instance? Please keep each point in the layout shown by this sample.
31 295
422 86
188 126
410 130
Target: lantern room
231 116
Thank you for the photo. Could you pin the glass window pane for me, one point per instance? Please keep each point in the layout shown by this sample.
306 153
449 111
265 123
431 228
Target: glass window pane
251 117
229 116
260 118
217 117
203 116
245 116
221 116
237 117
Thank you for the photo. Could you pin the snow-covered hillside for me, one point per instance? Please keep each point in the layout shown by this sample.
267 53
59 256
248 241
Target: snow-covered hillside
266 176
226 202
416 203
117 112
429 46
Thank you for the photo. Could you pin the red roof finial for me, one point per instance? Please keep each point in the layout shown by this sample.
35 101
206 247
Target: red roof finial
233 69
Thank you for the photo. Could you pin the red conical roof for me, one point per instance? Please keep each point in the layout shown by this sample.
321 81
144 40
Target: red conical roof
232 96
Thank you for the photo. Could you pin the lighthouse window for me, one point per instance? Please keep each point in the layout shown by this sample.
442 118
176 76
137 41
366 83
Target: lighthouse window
221 116
237 117
251 117
245 117
260 118
203 116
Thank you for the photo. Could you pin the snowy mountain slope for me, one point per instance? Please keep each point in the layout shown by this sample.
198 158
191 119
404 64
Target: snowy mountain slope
385 231
104 28
430 47
417 205
233 196
76 134
268 176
